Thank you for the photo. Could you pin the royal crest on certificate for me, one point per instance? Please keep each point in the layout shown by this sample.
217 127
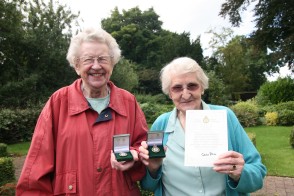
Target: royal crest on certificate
206 136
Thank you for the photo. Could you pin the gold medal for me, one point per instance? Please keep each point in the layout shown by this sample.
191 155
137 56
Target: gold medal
123 154
155 149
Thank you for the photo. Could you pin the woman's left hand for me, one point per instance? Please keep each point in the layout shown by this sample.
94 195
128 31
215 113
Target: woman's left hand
123 165
230 163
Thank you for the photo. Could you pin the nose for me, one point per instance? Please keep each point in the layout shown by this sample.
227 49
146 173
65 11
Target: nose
186 94
96 64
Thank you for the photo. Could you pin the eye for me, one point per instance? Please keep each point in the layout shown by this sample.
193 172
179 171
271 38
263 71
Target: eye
103 59
88 60
192 86
177 88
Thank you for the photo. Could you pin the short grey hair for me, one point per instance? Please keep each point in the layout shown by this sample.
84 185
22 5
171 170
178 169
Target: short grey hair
90 35
179 66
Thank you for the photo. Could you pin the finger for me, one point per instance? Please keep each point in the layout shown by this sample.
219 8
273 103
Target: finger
135 155
144 144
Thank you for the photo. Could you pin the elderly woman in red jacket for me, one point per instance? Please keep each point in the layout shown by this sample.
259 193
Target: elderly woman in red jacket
71 150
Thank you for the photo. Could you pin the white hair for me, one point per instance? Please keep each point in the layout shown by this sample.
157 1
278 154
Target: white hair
179 66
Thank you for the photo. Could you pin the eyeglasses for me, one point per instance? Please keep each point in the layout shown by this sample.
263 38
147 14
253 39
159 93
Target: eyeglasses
190 87
88 60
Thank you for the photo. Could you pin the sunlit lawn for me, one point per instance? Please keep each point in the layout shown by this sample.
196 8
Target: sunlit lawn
273 144
271 141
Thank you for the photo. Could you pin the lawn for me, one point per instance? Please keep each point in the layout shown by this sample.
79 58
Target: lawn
271 141
273 144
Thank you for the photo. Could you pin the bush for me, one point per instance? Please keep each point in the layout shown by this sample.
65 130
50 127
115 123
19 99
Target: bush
292 138
271 118
247 113
155 99
281 90
8 189
152 111
6 170
286 117
3 150
252 137
17 125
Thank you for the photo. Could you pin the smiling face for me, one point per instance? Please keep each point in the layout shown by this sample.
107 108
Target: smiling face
185 92
94 75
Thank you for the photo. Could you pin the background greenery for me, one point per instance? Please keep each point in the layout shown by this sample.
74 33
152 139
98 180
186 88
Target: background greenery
35 35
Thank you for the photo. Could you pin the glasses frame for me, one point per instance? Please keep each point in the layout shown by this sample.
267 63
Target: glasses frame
179 88
92 59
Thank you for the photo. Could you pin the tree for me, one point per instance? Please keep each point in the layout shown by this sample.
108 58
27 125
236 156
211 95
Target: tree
124 75
144 42
37 43
274 23
11 46
281 90
237 62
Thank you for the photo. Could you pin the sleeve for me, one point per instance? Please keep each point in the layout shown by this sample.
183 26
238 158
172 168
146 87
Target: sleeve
254 171
148 182
36 175
137 172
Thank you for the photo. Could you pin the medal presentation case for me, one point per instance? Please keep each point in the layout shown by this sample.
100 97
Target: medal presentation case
155 144
121 147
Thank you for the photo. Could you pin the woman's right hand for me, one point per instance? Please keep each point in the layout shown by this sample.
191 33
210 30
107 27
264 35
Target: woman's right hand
152 164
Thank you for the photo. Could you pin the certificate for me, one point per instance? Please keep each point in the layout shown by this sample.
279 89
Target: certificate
206 136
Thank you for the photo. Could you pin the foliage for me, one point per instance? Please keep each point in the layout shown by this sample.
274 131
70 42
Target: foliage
237 62
157 99
3 150
124 75
247 113
281 90
285 112
252 137
152 110
34 58
217 93
271 118
17 125
274 26
6 170
19 90
292 137
273 145
8 189
286 117
144 42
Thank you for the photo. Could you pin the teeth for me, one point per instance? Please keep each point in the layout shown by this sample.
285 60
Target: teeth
96 74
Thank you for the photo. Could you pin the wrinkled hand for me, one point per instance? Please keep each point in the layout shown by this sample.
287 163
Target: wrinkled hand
123 165
152 164
231 163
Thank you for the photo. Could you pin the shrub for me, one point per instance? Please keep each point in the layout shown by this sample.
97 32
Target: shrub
247 113
152 111
271 118
281 90
155 99
286 117
17 125
6 170
252 137
292 138
3 150
8 189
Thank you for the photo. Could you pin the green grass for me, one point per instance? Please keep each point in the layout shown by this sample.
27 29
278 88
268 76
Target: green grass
273 144
18 149
271 141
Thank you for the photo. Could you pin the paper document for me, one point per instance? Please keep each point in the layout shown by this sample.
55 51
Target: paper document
206 136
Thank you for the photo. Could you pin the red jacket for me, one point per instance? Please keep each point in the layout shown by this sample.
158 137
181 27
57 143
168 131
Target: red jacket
71 146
